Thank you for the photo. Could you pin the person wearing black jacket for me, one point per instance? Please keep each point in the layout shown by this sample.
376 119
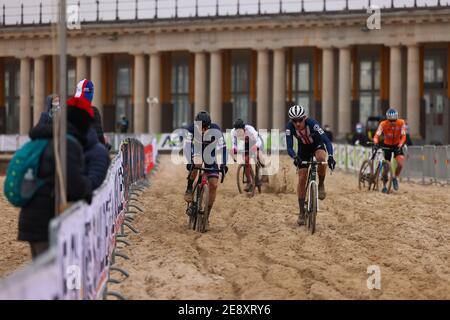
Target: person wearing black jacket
96 158
85 89
35 216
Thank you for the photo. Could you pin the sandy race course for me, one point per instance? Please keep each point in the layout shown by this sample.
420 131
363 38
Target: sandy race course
255 250
14 253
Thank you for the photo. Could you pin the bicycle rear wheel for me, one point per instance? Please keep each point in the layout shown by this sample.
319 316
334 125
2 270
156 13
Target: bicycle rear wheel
202 212
365 175
313 206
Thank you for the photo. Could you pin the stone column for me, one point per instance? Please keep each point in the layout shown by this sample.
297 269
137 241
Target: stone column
139 93
328 88
39 88
215 94
412 91
262 90
82 68
200 82
96 78
25 114
155 112
344 111
279 89
395 78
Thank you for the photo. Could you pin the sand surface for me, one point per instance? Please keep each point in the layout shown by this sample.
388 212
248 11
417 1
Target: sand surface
255 250
13 253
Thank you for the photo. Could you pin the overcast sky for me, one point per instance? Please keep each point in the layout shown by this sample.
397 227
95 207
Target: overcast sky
186 7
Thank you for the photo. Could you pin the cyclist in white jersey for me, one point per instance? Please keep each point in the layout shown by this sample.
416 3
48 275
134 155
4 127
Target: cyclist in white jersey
247 133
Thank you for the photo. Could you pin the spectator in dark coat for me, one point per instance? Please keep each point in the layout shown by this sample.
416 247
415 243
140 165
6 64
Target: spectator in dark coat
97 159
85 88
360 137
35 216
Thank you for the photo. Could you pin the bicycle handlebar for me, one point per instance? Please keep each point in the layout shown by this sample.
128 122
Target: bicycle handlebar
221 172
314 162
378 147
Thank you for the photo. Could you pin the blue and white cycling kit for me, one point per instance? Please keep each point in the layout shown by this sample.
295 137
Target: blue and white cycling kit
196 141
310 139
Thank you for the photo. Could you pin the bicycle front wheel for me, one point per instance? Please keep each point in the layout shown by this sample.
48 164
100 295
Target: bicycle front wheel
365 175
242 180
258 177
192 216
387 166
313 206
203 212
375 181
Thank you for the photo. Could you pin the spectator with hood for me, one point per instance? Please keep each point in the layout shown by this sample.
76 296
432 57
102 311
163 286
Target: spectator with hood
51 106
36 214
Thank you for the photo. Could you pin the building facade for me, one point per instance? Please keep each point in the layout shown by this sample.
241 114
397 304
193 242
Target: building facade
160 72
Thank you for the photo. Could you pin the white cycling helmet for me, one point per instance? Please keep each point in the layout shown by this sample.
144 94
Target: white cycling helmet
392 114
296 112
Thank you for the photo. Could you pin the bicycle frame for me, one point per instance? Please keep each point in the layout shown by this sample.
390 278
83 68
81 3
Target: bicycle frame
378 158
202 179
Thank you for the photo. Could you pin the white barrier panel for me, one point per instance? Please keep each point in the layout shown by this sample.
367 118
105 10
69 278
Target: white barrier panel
40 281
9 143
85 238
69 238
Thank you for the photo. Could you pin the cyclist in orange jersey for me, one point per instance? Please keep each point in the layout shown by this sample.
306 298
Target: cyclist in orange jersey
394 131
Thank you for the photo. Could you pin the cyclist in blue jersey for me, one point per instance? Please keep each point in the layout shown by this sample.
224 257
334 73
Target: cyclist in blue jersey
312 142
200 147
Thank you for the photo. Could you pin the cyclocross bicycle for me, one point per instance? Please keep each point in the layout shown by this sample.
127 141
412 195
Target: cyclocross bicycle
246 170
312 194
197 210
373 169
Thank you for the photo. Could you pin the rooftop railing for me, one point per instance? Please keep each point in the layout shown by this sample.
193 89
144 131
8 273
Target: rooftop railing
95 11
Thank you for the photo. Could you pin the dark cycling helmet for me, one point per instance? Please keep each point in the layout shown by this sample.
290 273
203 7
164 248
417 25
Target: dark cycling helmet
392 114
204 118
239 124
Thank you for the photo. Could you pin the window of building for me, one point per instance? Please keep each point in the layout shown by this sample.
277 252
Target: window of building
433 69
180 92
240 85
123 92
369 88
12 97
302 90
71 81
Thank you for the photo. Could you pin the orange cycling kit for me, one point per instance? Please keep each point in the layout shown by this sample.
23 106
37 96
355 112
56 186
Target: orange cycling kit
394 136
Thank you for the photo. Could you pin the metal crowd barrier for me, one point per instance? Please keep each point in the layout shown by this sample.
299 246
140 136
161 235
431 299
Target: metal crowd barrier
424 164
